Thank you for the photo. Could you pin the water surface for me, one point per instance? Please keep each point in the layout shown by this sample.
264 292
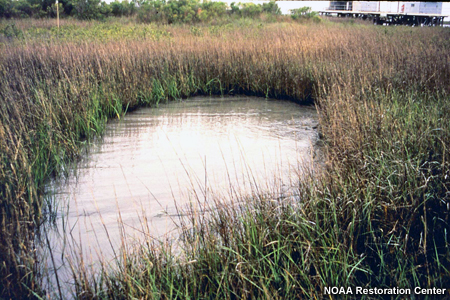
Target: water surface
153 160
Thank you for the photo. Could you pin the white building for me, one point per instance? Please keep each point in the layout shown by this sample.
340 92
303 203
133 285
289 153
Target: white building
392 12
393 6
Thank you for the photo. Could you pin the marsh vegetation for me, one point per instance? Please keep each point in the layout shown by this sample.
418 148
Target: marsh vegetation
376 215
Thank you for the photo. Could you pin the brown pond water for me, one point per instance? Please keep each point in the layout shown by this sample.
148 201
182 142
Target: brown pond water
154 159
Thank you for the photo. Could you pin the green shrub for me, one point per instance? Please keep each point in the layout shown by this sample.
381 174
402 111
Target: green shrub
271 8
234 8
304 13
11 31
182 11
87 9
19 9
118 9
250 10
151 11
212 10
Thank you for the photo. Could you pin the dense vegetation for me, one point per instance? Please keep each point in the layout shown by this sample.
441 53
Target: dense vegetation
146 10
375 214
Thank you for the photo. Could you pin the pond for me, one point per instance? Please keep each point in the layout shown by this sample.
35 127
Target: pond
152 162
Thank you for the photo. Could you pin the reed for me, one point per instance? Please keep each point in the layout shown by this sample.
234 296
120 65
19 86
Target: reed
375 215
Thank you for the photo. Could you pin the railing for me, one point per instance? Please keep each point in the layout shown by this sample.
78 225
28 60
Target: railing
341 6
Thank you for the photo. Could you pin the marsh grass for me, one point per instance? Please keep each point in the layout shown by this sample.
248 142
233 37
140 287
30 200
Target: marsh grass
375 216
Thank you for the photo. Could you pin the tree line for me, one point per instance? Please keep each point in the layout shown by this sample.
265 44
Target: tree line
171 11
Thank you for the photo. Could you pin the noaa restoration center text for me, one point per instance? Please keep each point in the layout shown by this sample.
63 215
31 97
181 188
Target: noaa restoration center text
382 291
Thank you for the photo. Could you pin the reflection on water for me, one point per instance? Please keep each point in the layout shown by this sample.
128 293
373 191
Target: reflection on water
154 159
